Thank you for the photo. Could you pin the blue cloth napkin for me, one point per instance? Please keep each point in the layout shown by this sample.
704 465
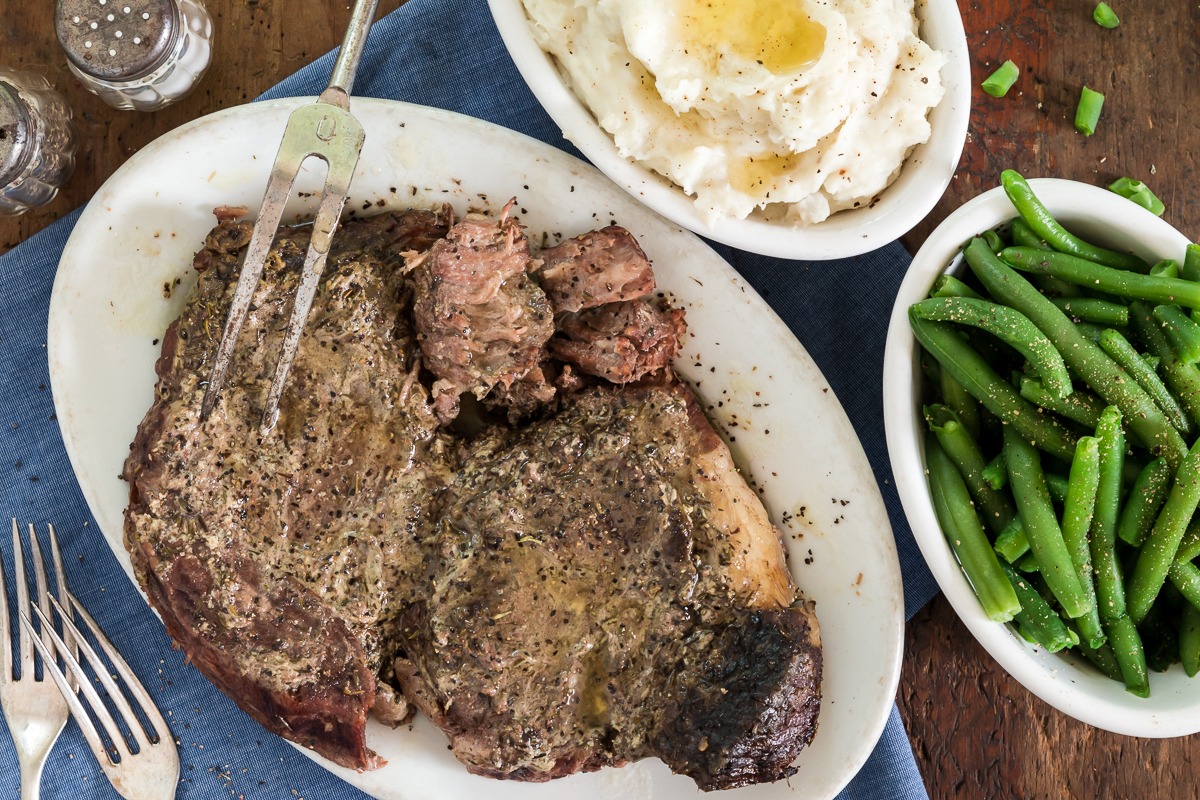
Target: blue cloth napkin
443 53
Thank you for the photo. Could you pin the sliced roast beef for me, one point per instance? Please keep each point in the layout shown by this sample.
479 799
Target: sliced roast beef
603 266
593 587
281 564
620 342
481 322
606 587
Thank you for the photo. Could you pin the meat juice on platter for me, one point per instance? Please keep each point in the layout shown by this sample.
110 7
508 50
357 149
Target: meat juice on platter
488 498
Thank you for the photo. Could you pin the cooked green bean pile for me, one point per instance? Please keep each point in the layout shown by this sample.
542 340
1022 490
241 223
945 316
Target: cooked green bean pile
1063 450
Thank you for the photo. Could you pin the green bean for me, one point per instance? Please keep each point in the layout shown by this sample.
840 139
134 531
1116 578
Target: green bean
1139 193
1037 617
1078 510
1027 563
1043 224
995 473
959 399
1152 361
1184 379
1191 263
1144 501
993 240
1126 644
1012 543
1104 16
1024 236
999 82
997 396
1118 347
1084 357
1158 551
1057 486
1028 483
1089 309
1186 577
1189 546
961 527
958 444
1167 268
1090 331
1189 640
1103 659
950 286
1110 594
1087 113
1011 327
1081 406
1181 331
1110 589
1088 274
1160 630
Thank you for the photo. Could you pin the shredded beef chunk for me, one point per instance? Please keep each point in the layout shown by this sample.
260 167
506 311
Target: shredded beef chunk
620 342
481 322
608 588
604 266
282 564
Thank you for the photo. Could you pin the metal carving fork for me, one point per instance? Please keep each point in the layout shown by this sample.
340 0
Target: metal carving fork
327 130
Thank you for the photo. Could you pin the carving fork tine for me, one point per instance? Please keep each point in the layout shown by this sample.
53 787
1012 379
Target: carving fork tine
326 130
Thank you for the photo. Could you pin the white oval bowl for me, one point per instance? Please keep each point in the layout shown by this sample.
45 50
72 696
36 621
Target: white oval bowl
1067 682
922 180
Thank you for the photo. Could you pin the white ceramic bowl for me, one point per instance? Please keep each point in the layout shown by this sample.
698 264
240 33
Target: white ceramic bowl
921 182
1066 682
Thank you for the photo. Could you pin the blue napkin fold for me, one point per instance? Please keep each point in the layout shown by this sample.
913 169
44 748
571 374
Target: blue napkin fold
443 53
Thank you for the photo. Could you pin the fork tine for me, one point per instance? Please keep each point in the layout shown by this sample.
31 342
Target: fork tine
39 577
60 578
26 651
144 738
270 213
6 654
149 707
326 223
85 686
77 710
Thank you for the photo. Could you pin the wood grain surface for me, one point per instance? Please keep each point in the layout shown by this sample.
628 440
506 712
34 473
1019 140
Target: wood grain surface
976 733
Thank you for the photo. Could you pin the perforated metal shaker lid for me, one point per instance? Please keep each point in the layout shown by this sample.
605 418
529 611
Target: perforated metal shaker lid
117 40
15 130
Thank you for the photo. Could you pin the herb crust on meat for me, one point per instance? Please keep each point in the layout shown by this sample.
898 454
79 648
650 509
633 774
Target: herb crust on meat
583 580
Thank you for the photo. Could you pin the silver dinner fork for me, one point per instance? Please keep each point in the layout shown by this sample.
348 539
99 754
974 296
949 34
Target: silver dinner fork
34 708
149 771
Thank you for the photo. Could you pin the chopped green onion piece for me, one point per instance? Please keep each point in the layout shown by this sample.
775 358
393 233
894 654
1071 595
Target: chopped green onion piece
1088 112
1139 193
999 82
1105 17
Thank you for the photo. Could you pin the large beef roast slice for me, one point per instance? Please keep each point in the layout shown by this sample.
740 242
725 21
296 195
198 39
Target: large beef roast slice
606 587
281 564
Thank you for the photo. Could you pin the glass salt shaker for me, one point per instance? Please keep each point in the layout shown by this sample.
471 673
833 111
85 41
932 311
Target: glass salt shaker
136 54
37 141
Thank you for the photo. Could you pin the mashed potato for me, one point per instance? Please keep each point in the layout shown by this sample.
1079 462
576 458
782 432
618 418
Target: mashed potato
793 109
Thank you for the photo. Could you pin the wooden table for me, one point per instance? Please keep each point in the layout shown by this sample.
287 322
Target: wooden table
976 733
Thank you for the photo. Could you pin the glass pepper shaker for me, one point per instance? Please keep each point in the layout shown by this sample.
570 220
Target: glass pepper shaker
37 141
136 54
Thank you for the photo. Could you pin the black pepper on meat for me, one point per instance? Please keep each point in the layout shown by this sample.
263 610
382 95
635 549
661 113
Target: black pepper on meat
594 585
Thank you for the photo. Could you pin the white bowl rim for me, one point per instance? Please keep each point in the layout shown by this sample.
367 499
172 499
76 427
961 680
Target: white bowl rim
1066 683
927 171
